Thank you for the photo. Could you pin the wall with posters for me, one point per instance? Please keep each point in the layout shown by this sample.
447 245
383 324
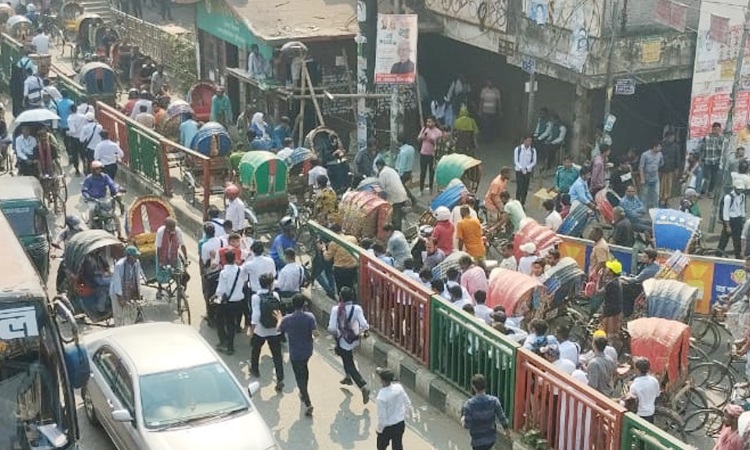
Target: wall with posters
713 277
713 72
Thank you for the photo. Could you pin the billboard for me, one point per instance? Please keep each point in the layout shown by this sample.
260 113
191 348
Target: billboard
396 51
716 56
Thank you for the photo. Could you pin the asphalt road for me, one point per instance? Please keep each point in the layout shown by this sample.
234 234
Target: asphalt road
340 419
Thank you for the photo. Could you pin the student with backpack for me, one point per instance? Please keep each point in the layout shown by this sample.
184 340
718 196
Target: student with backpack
348 325
732 209
265 305
229 297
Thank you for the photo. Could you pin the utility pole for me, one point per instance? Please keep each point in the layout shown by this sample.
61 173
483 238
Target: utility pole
532 95
730 117
361 41
611 50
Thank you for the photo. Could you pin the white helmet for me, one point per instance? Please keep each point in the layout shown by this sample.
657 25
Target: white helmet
30 8
442 213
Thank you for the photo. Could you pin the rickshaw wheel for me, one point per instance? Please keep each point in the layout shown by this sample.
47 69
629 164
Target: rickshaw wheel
715 377
709 421
691 400
669 421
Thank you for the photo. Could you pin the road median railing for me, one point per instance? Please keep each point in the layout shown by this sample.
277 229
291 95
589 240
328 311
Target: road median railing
397 307
462 347
567 414
146 153
637 434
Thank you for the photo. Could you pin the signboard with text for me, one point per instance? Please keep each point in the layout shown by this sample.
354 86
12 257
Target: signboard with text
396 51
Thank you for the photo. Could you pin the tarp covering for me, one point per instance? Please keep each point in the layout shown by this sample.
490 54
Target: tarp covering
531 231
453 166
511 289
212 140
450 196
673 229
575 222
263 172
606 200
85 242
441 270
363 214
669 299
664 342
563 278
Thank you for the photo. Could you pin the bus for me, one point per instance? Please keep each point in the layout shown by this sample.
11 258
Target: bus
39 365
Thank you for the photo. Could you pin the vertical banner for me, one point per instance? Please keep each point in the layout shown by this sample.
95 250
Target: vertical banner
700 275
716 55
396 52
578 250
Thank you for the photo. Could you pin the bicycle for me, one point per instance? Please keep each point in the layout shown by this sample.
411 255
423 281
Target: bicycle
175 288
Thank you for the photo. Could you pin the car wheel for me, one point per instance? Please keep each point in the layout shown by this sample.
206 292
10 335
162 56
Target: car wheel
88 405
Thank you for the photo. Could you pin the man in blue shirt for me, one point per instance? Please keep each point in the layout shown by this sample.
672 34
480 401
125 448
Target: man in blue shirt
282 241
480 415
565 176
63 110
635 210
405 165
188 130
95 185
579 190
300 328
280 132
633 286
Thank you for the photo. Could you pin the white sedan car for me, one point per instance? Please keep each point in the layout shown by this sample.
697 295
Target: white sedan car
162 386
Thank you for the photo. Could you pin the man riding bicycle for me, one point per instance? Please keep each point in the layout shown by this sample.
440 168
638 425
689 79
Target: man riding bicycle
169 244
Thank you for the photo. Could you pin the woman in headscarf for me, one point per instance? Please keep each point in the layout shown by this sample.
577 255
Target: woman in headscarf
466 131
259 126
730 438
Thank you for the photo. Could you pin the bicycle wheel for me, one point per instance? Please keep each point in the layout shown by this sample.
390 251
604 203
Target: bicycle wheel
708 421
692 399
715 378
669 421
696 354
711 339
61 196
183 307
699 327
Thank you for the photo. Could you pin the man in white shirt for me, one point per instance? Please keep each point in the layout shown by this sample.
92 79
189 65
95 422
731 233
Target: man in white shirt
90 137
256 63
394 189
32 89
553 219
291 277
76 121
347 324
457 297
52 90
262 301
393 406
733 219
258 265
646 389
316 171
568 350
235 208
24 146
481 310
125 286
40 42
144 99
230 298
509 259
524 158
108 153
209 268
287 151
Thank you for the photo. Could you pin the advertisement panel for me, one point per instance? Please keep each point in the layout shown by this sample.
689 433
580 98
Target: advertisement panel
396 51
716 55
578 250
700 274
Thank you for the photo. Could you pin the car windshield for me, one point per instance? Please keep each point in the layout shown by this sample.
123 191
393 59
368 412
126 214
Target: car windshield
192 394
34 403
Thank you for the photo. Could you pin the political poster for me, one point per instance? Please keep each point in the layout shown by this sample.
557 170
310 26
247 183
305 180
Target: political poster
396 50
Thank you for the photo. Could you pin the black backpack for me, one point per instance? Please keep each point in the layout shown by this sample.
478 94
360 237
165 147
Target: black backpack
268 304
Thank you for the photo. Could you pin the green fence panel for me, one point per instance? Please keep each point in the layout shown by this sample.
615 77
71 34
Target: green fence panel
637 434
461 347
145 158
77 92
10 53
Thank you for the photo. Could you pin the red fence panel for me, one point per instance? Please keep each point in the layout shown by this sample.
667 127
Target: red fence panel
396 307
568 414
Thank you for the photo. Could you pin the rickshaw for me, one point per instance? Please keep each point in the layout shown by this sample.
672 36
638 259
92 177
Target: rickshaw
263 177
581 216
6 12
299 166
667 299
457 165
518 293
324 142
69 13
86 26
100 82
673 229
22 202
145 216
563 284
177 110
450 261
531 231
49 170
212 140
606 200
199 97
20 28
363 214
89 259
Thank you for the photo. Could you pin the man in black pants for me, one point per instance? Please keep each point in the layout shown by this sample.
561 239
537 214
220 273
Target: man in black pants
733 219
524 158
230 297
263 334
300 328
347 324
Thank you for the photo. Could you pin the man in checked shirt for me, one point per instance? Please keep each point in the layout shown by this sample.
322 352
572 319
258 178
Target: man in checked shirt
711 149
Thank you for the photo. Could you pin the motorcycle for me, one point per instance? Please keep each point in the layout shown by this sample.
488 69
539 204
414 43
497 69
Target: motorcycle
103 215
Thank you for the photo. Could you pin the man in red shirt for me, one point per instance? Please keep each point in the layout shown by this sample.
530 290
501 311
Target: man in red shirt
233 246
443 231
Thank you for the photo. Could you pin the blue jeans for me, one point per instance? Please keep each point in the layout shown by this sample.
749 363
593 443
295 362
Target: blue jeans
322 272
650 193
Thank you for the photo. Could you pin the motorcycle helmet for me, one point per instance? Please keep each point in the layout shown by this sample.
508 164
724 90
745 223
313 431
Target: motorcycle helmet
442 214
425 230
232 191
132 93
145 95
30 8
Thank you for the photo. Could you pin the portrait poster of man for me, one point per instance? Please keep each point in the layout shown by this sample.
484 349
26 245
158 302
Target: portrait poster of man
396 52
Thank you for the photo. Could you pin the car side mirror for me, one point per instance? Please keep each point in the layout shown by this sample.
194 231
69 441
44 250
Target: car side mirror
122 415
252 388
